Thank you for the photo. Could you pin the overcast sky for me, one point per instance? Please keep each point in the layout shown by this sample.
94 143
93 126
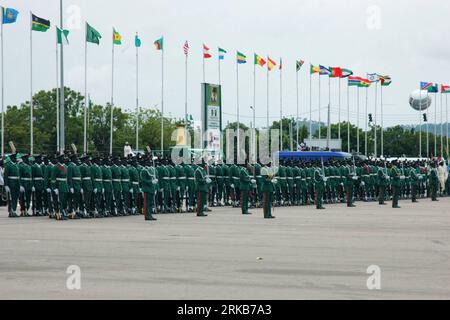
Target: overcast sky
407 40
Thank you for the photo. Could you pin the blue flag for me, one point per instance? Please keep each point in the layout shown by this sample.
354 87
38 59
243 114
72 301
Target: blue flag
430 87
9 15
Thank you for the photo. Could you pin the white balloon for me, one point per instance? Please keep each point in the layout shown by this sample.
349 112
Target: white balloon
420 100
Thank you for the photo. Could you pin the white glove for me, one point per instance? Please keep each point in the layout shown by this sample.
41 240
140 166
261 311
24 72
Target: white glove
208 180
275 181
140 190
95 190
363 184
179 188
355 178
232 186
325 180
81 191
7 189
253 181
49 190
72 191
131 191
56 191
155 181
402 178
22 189
103 190
33 189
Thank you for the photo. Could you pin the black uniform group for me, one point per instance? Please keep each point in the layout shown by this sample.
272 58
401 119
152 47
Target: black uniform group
71 187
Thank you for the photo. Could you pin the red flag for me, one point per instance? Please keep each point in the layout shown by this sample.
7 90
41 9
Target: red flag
186 48
206 54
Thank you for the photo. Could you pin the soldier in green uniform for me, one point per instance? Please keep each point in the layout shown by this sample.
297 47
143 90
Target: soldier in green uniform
235 186
134 186
268 189
97 180
116 178
125 181
181 187
12 184
149 188
61 188
319 186
220 185
396 184
26 185
415 180
75 184
38 185
108 188
290 197
382 182
164 185
173 182
202 182
350 179
246 182
227 184
190 186
87 201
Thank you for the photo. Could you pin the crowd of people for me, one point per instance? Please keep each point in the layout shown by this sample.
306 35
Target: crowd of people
71 187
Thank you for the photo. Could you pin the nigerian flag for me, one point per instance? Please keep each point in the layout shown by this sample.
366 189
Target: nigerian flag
62 36
92 35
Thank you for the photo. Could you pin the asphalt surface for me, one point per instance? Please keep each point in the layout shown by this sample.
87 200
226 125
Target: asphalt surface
302 254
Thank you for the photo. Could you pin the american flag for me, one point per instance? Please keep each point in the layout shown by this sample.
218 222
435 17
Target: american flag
186 48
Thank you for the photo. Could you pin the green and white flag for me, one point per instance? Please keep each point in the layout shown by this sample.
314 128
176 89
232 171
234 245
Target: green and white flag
62 36
92 35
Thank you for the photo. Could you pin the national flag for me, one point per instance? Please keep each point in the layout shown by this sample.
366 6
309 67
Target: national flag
159 44
324 71
186 48
271 64
354 81
39 24
429 86
137 41
259 60
241 58
385 80
117 38
346 73
299 64
92 35
206 54
314 69
445 88
373 77
364 83
9 15
222 53
336 72
62 36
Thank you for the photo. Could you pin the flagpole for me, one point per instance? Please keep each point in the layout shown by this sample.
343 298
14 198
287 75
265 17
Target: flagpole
137 96
375 118
237 107
281 106
62 134
85 93
268 103
428 134
57 95
88 121
162 100
186 92
3 86
31 85
112 102
298 108
366 134
253 135
442 130
310 105
446 116
420 121
204 78
382 122
348 119
329 114
320 118
435 124
357 120
339 115
220 78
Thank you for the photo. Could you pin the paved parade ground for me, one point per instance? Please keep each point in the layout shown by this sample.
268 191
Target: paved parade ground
302 254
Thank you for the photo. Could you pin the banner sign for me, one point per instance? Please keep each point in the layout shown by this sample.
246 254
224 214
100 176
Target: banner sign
211 115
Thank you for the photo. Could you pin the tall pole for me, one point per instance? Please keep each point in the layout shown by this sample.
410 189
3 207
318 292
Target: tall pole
298 109
253 135
88 122
310 105
435 124
366 135
382 123
442 130
357 120
3 85
420 123
186 96
446 116
62 132
348 119
339 106
237 109
137 97
162 101
204 76
375 118
57 98
111 124
320 109
281 106
85 95
31 85
428 134
329 114
268 102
